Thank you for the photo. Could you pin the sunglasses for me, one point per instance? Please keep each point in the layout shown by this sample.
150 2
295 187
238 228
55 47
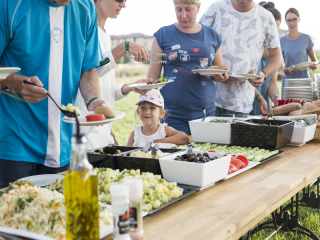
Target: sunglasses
120 1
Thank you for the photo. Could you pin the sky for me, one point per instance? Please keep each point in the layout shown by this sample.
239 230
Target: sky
147 16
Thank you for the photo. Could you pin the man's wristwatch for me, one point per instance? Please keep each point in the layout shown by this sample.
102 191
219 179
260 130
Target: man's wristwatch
265 75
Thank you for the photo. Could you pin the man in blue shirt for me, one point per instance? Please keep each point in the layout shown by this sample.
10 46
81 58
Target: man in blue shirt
55 43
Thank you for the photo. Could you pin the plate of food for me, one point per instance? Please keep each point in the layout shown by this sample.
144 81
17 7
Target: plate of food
6 71
43 179
153 84
213 70
303 66
95 118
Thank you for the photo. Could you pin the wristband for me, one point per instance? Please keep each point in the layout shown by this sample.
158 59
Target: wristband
256 98
127 46
276 96
92 99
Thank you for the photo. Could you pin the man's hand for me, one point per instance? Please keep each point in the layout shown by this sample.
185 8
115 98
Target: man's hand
281 75
313 66
263 107
292 70
33 94
259 81
139 52
96 103
221 78
125 89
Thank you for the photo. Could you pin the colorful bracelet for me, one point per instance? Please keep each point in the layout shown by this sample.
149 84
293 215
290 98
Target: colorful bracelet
256 98
127 46
92 99
276 96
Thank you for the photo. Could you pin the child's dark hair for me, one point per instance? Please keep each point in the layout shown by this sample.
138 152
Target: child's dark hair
270 6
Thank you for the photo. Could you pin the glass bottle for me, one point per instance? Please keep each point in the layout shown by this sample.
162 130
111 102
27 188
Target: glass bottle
81 195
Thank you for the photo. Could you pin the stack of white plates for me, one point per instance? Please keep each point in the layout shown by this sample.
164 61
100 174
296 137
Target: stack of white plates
301 88
317 80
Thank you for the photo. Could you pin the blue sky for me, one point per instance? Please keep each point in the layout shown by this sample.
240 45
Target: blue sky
147 16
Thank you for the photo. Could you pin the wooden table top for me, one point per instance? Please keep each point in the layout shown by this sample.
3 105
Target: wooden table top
230 208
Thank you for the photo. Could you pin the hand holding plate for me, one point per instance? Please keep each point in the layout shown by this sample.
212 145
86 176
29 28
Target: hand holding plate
313 66
293 70
258 81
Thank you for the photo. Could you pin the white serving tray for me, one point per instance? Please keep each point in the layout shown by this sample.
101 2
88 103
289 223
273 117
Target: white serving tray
195 174
250 165
207 131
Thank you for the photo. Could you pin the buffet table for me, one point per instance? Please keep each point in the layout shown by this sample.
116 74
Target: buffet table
231 208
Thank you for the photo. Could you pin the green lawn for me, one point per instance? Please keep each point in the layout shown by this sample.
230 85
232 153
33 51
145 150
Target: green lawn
122 129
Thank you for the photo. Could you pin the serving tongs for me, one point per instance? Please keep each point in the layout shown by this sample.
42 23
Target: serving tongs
147 147
154 151
204 110
152 54
65 112
249 123
189 151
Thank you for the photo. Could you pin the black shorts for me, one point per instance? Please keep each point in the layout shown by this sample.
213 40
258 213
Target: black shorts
11 171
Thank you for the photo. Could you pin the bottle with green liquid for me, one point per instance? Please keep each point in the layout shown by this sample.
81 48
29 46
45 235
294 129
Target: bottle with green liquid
81 195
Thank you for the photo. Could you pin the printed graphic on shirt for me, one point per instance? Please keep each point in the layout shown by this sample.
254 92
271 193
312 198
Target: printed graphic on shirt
172 55
196 50
56 33
203 62
203 83
212 57
176 47
207 78
180 81
184 57
174 71
183 70
195 67
209 50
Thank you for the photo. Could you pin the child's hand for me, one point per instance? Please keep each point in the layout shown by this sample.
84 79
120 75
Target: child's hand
126 88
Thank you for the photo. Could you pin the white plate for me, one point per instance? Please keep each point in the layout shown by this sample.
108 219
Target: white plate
149 86
30 235
83 120
303 66
166 145
43 179
250 165
249 76
236 76
210 71
6 71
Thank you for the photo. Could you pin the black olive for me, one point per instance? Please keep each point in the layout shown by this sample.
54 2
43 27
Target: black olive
215 157
199 154
196 159
206 154
203 160
191 158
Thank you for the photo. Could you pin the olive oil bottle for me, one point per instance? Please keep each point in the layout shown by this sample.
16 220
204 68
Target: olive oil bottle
81 195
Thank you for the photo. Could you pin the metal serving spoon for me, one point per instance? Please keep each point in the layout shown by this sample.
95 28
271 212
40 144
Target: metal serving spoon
154 150
65 112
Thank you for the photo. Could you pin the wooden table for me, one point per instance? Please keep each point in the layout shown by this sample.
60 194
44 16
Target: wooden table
230 208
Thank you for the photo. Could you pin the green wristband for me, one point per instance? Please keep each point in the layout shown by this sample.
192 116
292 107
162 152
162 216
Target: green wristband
256 98
127 46
91 101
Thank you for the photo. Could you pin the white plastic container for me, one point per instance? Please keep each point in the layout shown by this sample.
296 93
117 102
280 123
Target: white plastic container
195 174
212 132
302 135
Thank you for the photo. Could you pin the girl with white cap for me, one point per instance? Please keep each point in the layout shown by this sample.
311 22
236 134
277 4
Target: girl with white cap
151 110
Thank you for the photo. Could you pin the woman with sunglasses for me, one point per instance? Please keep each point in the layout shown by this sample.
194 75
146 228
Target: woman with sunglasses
98 137
188 45
296 48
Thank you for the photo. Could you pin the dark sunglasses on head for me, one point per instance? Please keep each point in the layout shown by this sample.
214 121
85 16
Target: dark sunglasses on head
120 1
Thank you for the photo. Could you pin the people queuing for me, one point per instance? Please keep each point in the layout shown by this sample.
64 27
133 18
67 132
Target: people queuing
189 46
269 88
59 45
296 47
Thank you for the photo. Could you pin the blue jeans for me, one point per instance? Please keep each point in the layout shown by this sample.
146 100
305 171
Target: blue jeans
11 171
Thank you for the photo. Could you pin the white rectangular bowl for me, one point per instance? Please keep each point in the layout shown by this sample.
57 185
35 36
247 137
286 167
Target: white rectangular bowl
195 174
302 135
212 132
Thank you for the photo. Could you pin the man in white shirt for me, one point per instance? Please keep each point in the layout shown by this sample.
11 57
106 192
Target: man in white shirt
245 28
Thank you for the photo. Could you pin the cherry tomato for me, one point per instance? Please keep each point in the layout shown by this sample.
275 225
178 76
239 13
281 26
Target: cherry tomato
243 159
211 151
95 117
232 169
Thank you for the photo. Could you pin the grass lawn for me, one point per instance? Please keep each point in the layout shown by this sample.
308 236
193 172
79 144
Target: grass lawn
122 129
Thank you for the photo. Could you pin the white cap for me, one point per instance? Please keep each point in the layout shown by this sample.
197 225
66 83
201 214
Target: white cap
135 186
119 193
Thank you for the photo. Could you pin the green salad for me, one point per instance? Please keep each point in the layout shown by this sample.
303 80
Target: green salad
253 154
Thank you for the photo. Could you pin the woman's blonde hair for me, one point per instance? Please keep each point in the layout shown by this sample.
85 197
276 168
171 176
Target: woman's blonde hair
189 2
136 115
